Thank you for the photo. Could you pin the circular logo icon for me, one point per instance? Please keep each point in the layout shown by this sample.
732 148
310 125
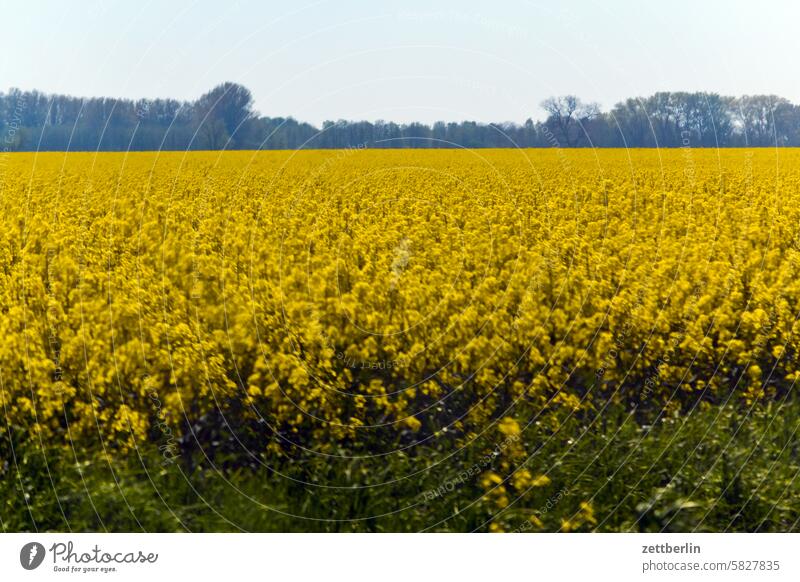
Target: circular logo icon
31 555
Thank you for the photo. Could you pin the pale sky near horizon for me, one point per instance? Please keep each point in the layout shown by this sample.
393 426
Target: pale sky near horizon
402 61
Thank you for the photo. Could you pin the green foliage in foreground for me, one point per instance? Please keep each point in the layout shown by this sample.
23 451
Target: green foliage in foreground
719 469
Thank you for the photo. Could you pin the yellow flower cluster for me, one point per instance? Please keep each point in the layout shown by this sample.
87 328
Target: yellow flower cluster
326 296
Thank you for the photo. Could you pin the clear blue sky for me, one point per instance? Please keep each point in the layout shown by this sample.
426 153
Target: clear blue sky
405 60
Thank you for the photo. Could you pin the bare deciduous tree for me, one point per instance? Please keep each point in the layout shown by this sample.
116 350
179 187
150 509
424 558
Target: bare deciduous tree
567 114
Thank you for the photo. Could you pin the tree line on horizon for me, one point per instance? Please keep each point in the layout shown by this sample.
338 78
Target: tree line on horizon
224 118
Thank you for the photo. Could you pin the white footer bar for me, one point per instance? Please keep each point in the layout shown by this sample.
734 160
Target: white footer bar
400 557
